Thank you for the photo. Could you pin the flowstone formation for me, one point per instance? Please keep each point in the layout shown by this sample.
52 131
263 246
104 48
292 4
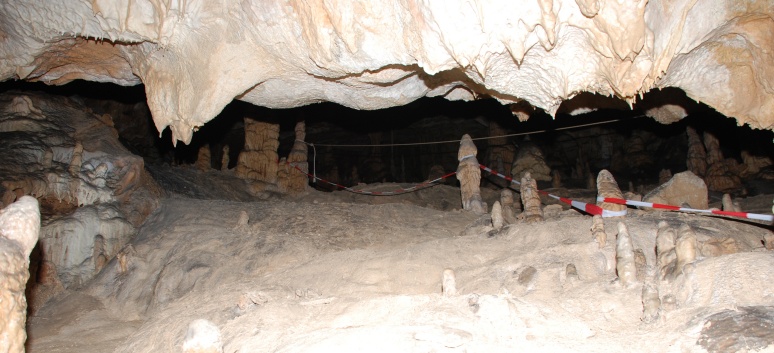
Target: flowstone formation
19 229
258 159
291 174
379 54
93 192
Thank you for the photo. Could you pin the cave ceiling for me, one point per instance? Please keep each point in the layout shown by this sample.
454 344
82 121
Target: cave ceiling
194 57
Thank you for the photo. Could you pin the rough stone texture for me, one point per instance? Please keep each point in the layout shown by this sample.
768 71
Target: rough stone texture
469 175
530 159
375 55
289 179
258 159
683 189
608 187
204 159
598 231
19 228
666 258
509 206
696 160
624 257
533 211
224 161
718 176
55 149
741 329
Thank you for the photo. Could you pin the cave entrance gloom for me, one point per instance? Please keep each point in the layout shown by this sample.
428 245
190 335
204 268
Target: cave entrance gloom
134 244
400 144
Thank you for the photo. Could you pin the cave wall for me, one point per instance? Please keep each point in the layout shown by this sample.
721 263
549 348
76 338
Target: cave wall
194 57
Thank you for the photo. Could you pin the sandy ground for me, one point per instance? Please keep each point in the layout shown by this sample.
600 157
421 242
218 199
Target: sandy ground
329 272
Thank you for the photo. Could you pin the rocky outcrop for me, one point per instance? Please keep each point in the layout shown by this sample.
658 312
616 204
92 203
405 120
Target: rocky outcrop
530 159
93 192
683 189
258 159
379 54
19 229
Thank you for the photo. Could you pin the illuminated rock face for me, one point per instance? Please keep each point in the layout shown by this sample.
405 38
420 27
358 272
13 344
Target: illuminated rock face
195 56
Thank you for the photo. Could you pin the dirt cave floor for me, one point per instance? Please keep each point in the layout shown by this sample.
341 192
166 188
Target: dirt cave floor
333 272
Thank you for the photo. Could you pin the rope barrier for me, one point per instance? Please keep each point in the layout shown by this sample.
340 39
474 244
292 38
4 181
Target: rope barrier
377 193
475 139
583 206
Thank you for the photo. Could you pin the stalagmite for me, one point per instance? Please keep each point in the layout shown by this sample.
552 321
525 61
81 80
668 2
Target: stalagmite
598 230
685 248
258 160
224 161
449 283
651 304
607 187
697 155
509 206
730 205
290 179
624 257
202 337
497 216
556 182
19 231
469 175
530 199
204 159
666 258
718 176
530 158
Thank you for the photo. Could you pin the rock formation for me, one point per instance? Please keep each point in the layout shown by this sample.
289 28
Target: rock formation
449 49
290 179
651 304
697 155
624 257
497 216
100 190
666 258
204 159
686 248
683 189
598 231
718 176
607 187
469 175
529 158
510 208
19 228
530 198
224 161
258 159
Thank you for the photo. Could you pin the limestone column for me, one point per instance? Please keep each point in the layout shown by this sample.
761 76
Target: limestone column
258 159
469 175
290 179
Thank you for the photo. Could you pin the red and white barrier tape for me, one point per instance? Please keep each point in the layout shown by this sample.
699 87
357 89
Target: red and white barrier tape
585 207
760 217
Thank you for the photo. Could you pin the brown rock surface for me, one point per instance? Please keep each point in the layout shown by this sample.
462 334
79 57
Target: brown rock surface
683 189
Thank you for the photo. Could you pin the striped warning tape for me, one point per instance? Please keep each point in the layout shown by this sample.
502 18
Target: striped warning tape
376 193
585 207
760 217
